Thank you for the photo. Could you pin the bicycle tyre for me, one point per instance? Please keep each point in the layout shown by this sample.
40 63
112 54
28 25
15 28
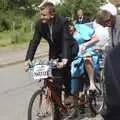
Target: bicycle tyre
92 99
32 100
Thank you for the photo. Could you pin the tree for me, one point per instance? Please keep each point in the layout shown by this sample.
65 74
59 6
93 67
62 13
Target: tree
70 7
3 4
16 4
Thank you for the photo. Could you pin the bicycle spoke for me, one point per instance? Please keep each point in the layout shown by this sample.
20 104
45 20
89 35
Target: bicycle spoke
41 108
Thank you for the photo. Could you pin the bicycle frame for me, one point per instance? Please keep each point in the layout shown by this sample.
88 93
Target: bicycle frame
48 82
91 95
54 96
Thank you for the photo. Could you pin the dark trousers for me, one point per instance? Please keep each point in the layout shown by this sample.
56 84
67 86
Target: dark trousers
112 113
63 77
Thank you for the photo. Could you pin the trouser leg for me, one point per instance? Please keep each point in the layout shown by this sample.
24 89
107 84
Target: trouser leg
67 81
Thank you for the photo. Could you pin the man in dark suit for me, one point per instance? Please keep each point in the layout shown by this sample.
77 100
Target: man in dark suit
112 83
52 28
112 64
80 18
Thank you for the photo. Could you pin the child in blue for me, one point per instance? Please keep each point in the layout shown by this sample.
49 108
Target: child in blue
86 60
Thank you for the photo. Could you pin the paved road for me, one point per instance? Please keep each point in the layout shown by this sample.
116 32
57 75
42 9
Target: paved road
15 92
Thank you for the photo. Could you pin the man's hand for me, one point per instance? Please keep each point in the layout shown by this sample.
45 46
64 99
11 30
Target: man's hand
62 64
27 64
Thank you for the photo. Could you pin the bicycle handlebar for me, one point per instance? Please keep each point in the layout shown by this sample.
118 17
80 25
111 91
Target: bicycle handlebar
52 63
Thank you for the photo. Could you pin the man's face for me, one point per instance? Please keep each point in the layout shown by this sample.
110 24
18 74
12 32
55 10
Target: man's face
110 22
45 15
80 14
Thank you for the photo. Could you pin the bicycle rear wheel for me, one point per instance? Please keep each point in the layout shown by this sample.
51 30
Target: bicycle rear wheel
97 98
40 108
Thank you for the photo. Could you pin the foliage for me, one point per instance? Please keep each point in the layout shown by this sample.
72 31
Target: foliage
70 7
14 37
20 37
17 27
5 21
13 4
13 12
63 9
17 17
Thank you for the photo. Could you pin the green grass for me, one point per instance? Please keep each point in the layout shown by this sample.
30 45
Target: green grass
10 39
5 38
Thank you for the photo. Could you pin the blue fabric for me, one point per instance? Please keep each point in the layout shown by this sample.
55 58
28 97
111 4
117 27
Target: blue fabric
76 85
83 34
77 66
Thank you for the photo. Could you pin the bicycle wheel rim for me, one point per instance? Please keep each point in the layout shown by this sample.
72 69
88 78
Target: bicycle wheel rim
97 101
39 109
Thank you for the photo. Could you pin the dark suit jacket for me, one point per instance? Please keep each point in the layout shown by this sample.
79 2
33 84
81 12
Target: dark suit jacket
115 31
58 46
84 20
112 83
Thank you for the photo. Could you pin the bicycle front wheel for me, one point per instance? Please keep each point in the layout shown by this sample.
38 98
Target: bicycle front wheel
40 107
97 99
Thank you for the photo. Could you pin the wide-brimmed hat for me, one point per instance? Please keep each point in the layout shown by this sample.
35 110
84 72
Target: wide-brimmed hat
110 8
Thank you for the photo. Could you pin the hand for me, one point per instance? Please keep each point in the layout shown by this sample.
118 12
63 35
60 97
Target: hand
97 50
63 63
82 48
60 65
27 64
64 60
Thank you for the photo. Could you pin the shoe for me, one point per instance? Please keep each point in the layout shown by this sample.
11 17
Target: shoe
92 90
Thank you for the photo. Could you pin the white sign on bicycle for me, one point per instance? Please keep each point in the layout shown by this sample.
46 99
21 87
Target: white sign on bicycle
40 72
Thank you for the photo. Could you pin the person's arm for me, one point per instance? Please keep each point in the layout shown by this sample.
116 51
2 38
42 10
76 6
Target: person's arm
66 49
68 42
34 43
93 40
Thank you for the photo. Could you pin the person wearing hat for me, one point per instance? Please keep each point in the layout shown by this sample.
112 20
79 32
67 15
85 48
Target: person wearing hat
112 6
107 18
